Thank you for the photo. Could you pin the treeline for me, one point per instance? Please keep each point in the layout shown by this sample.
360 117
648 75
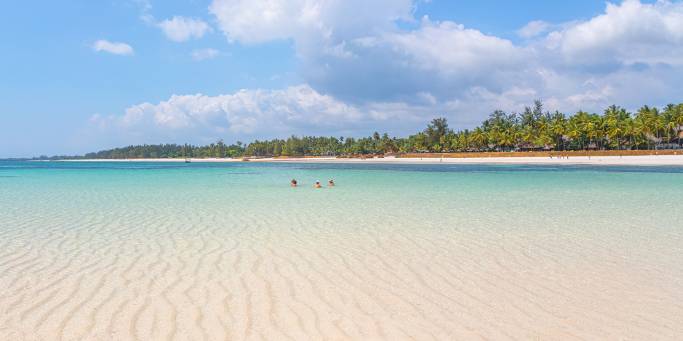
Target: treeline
532 129
162 151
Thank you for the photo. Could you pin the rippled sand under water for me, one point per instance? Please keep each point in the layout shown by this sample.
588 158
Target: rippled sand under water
230 252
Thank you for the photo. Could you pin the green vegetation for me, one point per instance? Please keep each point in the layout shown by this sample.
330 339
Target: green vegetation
218 149
533 129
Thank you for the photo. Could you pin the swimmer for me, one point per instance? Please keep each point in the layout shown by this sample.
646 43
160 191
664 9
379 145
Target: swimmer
330 183
293 183
317 184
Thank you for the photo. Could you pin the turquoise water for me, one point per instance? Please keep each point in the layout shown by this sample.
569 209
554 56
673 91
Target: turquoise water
527 232
535 197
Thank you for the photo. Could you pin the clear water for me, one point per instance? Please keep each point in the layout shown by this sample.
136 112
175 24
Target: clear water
514 250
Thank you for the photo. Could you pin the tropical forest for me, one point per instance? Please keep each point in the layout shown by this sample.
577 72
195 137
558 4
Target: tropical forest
533 129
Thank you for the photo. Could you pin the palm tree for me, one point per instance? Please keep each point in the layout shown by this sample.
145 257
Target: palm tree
678 118
574 132
613 124
579 124
659 125
508 137
558 126
645 119
629 131
668 118
640 132
479 138
590 128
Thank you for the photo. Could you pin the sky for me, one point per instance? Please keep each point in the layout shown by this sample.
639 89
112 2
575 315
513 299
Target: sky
80 75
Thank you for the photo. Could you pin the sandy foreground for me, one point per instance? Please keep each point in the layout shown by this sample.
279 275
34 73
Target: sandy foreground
136 276
640 160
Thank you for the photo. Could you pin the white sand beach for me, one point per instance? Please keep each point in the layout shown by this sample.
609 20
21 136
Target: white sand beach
135 252
639 160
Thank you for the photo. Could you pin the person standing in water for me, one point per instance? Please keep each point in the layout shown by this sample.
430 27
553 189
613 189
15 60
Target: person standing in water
293 183
317 184
330 183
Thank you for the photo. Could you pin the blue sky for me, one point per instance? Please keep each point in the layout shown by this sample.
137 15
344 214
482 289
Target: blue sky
79 76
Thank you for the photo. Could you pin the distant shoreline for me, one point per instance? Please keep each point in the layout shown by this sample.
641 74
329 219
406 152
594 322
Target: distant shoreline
630 160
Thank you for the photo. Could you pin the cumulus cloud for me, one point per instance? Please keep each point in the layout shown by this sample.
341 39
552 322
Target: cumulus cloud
364 69
365 55
305 20
450 48
294 110
442 58
121 49
243 113
534 29
627 33
180 29
204 54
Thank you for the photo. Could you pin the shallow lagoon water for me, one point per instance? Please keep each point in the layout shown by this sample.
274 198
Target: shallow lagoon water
230 251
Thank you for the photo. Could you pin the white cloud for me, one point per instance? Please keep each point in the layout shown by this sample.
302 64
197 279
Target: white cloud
442 58
534 29
252 21
296 108
145 7
363 71
204 54
363 55
360 55
180 29
122 49
627 33
453 50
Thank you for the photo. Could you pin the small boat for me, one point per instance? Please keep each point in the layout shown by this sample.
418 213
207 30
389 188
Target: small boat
188 160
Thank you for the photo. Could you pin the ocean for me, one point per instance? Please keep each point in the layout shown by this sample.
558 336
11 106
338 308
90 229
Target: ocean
214 251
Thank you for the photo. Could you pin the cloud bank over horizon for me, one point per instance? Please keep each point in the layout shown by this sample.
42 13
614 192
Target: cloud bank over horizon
383 68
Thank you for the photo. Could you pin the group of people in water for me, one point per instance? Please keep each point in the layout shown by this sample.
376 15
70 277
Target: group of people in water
330 183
